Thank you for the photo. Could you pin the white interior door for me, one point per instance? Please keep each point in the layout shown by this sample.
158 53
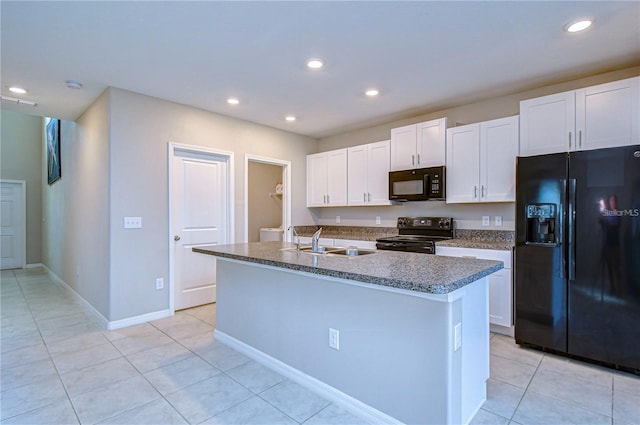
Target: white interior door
12 224
200 216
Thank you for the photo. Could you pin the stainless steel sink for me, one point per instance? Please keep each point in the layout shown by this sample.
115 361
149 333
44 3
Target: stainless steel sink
332 251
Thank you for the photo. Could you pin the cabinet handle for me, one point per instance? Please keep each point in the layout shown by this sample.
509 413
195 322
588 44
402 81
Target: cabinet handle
364 197
328 200
580 138
475 192
418 159
569 140
324 199
413 160
482 191
369 197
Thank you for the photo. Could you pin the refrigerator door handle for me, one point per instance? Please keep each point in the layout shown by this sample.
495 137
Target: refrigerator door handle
563 216
571 229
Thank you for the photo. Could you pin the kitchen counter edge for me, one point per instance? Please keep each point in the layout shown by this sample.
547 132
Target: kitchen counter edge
401 270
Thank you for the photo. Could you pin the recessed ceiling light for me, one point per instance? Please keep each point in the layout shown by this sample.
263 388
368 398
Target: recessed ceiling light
233 101
315 63
372 92
580 25
290 118
18 90
73 84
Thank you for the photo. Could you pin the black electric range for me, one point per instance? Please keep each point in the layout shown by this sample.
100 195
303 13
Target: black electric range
418 234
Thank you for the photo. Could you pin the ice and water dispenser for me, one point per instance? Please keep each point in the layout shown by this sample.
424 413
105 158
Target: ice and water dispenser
541 224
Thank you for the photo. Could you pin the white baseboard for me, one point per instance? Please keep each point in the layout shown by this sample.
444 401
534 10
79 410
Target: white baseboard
109 325
136 320
355 406
34 266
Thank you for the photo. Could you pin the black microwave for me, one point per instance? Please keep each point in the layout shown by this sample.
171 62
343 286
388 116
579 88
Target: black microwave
422 184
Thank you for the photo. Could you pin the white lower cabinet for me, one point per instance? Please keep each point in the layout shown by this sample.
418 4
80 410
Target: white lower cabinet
500 284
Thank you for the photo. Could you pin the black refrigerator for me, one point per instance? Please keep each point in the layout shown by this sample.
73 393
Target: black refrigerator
577 254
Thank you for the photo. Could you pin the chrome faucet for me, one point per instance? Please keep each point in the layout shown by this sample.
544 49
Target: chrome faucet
314 240
297 237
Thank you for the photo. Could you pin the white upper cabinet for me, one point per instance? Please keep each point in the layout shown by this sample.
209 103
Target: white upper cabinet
547 124
327 179
419 145
463 165
608 115
595 117
498 150
481 161
368 174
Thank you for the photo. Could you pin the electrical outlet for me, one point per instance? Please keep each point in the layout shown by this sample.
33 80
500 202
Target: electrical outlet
159 283
133 222
378 219
334 339
486 220
337 219
457 337
498 220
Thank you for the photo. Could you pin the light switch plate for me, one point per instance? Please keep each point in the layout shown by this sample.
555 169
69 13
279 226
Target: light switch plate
133 222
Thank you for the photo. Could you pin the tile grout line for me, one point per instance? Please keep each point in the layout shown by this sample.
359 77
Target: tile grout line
44 342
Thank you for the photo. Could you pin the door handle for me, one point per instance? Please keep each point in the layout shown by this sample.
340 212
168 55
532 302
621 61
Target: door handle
176 238
580 138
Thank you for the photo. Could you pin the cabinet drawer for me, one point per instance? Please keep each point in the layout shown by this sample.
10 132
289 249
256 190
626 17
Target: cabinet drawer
482 254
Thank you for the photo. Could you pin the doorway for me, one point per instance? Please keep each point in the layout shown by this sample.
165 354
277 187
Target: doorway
200 213
267 198
12 224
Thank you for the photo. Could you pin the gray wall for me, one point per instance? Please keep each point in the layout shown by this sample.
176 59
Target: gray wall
76 207
469 216
21 159
265 209
140 127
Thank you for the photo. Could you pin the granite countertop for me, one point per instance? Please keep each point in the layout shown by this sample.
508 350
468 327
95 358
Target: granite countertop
478 244
403 270
502 240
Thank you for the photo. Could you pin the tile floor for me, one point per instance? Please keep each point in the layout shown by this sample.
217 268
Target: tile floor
60 367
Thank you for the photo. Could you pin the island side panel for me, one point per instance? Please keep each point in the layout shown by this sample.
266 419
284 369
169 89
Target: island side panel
396 352
475 347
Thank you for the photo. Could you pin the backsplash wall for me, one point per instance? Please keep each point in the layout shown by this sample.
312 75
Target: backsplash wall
467 216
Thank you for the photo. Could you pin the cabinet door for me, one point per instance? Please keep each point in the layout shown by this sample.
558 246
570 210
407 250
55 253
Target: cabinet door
608 115
316 180
403 147
337 177
431 143
500 298
463 170
357 158
378 162
498 151
547 124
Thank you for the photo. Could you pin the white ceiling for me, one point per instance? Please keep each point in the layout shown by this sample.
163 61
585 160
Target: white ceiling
423 56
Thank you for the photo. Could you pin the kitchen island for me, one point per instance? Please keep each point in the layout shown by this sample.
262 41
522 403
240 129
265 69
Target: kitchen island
409 332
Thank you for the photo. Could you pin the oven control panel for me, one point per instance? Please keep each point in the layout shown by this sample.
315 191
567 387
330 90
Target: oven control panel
435 223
